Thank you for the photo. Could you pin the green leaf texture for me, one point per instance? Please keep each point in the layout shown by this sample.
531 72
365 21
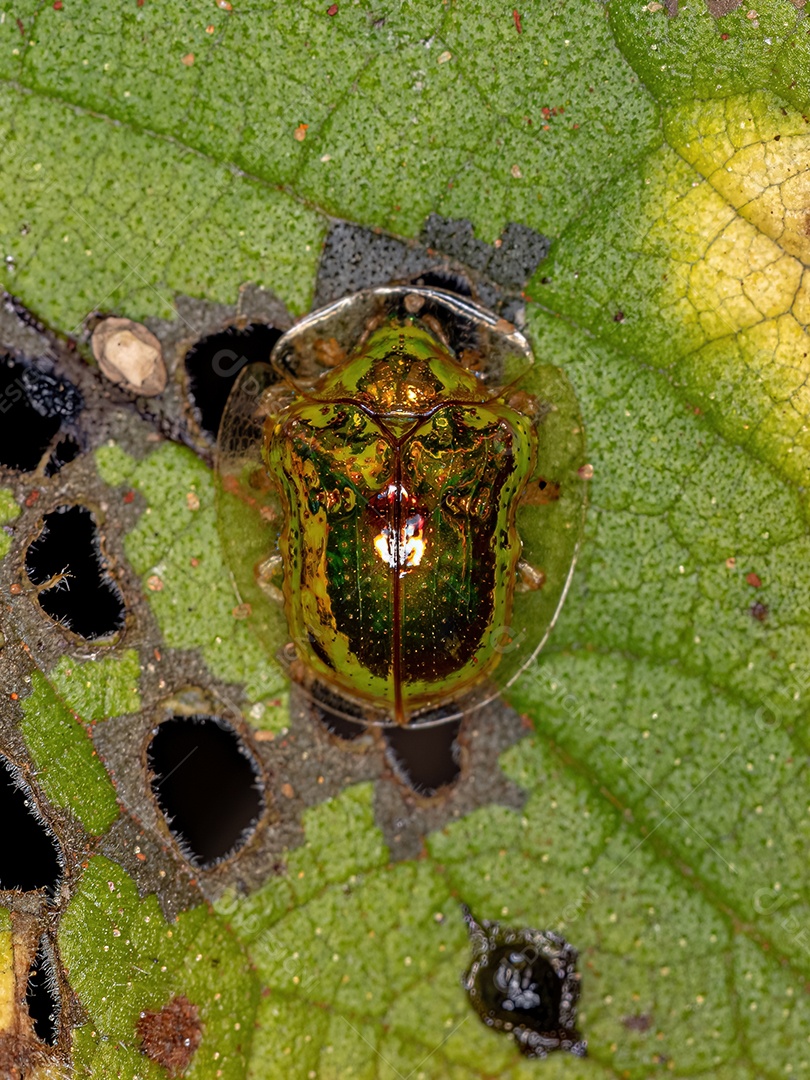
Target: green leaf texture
165 149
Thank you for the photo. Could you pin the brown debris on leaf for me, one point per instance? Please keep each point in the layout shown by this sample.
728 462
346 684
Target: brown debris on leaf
130 356
758 611
540 492
638 1022
19 1056
719 8
170 1036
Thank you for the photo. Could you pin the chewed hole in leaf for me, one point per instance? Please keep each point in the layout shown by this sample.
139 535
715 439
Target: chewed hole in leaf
29 857
67 565
427 759
42 996
213 364
207 785
33 406
65 451
524 982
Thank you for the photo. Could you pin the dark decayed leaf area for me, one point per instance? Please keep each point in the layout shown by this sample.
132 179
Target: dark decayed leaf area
631 182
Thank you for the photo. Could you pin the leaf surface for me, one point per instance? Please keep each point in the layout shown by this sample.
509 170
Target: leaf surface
187 149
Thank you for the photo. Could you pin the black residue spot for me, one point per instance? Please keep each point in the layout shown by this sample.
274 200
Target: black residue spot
456 238
42 996
520 252
355 258
207 785
426 758
510 263
28 855
214 362
33 406
619 316
67 552
524 982
65 451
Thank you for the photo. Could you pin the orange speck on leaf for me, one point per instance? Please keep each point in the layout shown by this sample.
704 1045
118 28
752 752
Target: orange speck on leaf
188 59
332 9
754 580
300 132
516 19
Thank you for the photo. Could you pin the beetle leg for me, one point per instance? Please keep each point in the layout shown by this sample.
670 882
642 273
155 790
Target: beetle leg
529 579
269 577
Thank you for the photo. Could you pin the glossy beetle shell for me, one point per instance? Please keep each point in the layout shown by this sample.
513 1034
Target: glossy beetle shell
385 478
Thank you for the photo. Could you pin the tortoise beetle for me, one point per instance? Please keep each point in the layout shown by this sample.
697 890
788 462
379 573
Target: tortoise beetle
401 495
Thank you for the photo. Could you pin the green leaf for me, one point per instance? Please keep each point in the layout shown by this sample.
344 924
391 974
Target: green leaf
53 725
176 550
125 959
9 510
190 148
109 688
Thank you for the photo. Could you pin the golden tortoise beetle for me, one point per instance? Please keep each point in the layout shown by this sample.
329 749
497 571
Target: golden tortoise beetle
400 496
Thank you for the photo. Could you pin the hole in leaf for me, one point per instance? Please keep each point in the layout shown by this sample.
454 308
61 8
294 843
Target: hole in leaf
65 451
42 996
425 758
214 362
33 405
524 982
67 553
29 856
207 785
